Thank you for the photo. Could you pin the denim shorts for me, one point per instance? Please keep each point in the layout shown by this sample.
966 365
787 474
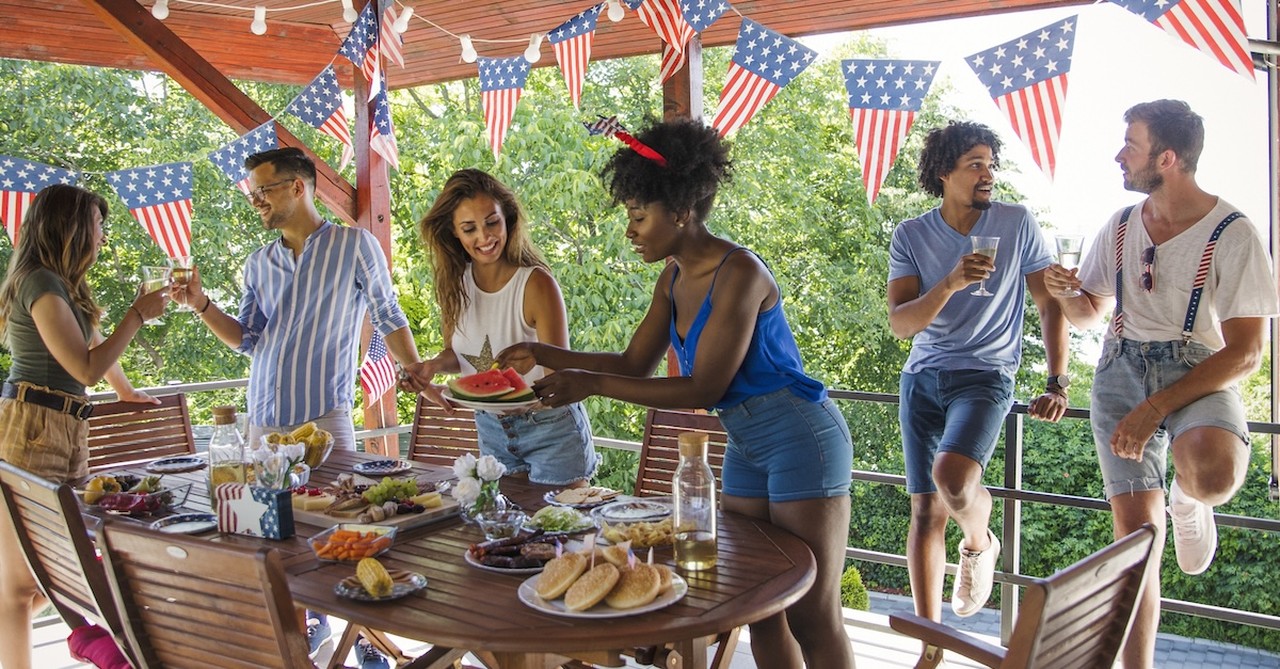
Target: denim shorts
553 445
1128 373
786 448
950 411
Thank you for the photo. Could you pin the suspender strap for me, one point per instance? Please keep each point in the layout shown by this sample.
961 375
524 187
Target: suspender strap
1202 274
1117 320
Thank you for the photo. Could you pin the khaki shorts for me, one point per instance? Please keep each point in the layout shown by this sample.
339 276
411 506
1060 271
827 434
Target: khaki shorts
47 443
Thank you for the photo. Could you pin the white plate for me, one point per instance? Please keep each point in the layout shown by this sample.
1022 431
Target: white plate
634 510
186 523
402 583
488 406
555 607
498 570
177 465
550 498
381 467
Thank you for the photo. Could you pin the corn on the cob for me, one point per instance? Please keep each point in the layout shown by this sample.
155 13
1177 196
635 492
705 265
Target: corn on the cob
374 577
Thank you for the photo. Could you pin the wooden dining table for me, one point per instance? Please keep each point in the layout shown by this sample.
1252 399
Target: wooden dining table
761 570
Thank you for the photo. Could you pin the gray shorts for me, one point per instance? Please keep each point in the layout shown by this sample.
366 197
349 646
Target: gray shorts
1128 373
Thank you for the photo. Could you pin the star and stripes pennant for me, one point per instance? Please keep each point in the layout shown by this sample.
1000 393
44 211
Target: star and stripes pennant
666 19
611 127
1027 78
20 181
230 158
572 42
1215 27
763 62
378 371
700 14
884 97
361 45
501 85
320 105
382 132
390 42
159 197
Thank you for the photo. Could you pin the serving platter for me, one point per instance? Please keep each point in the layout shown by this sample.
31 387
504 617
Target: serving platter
551 498
177 464
381 467
523 571
449 509
186 523
403 583
529 595
479 405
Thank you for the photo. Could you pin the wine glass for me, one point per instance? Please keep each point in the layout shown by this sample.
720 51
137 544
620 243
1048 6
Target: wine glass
154 278
985 246
180 267
1069 248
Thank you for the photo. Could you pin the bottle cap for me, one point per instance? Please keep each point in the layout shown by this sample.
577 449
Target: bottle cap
693 444
224 415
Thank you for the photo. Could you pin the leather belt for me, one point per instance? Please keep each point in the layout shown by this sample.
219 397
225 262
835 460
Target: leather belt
77 409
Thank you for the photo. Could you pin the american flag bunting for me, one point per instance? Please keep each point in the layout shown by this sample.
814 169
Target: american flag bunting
389 41
1027 78
700 14
884 96
501 85
320 105
572 43
1215 27
361 45
230 158
20 181
378 371
763 62
159 197
382 131
666 19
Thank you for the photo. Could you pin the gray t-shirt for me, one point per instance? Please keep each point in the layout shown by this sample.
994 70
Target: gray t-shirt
32 361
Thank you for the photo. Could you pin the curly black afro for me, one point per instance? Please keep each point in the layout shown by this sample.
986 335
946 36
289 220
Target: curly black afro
944 146
697 164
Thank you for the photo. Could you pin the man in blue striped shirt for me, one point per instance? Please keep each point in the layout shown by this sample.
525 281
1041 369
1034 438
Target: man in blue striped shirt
305 298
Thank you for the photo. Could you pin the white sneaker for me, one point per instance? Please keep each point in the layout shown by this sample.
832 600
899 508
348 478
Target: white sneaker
974 577
1195 536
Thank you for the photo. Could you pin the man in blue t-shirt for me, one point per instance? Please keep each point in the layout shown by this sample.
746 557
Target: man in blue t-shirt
964 311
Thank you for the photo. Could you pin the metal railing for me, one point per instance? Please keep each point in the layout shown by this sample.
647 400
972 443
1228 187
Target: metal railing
1011 493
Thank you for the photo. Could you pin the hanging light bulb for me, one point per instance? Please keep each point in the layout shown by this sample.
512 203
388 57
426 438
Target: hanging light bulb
160 10
616 12
349 13
469 54
259 25
534 53
402 23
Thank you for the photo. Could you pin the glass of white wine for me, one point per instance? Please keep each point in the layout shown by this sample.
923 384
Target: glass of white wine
985 246
154 278
1069 249
180 267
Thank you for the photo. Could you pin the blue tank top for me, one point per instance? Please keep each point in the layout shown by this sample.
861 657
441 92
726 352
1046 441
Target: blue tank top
772 361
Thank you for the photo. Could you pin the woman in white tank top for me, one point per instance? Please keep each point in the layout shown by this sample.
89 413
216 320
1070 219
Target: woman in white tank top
494 291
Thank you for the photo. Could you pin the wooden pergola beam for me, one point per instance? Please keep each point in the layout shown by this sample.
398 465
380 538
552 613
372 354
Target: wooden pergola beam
213 89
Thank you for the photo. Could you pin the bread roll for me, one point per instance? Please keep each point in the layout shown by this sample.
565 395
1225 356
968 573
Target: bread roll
591 587
559 574
617 554
636 586
664 577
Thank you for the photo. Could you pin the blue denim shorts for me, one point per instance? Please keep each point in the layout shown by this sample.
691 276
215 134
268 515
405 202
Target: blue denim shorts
950 411
553 445
786 448
1128 373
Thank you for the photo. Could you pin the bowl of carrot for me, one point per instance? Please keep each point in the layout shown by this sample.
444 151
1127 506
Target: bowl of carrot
351 542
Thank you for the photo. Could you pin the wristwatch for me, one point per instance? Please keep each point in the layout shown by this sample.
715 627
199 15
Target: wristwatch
1057 382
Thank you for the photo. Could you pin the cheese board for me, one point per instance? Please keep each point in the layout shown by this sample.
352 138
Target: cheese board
447 509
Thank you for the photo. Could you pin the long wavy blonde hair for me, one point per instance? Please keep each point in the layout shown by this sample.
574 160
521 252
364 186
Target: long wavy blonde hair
57 234
448 258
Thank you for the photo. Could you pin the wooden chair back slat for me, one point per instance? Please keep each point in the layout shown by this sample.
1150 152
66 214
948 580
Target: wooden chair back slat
170 585
660 449
440 437
125 433
55 537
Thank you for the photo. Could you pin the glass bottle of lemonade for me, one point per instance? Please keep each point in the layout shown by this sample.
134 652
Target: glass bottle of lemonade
694 488
226 452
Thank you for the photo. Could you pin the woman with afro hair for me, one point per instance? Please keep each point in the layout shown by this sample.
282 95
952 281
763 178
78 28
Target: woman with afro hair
789 453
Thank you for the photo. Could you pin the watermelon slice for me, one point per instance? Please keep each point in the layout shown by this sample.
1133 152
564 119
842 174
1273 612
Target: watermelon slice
487 385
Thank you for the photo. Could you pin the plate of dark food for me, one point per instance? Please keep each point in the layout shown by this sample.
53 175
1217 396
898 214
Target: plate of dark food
525 553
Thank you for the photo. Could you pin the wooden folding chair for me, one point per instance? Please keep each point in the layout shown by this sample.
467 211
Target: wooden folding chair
126 433
56 540
439 437
190 602
1077 618
660 449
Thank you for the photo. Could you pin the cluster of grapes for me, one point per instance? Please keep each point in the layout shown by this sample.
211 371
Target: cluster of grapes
390 489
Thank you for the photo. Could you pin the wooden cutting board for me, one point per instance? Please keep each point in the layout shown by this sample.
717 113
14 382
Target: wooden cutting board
406 521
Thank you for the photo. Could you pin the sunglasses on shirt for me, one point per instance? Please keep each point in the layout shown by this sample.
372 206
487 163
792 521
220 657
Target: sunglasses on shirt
1148 266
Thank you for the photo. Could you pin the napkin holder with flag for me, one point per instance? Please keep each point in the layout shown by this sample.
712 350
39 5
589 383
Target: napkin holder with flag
255 511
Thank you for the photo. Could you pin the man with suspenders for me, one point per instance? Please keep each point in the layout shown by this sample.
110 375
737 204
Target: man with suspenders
1188 282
